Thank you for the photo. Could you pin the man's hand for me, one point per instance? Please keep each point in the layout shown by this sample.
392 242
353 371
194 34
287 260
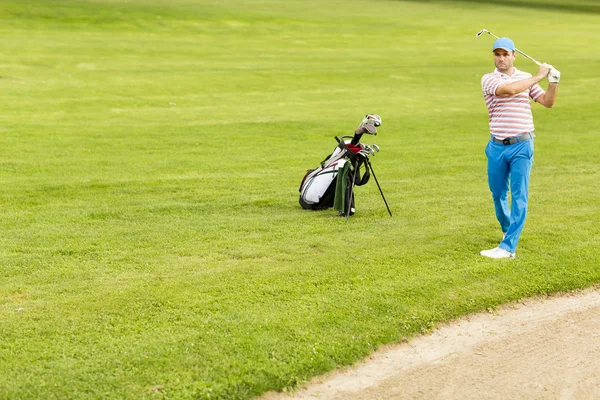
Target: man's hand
553 75
544 69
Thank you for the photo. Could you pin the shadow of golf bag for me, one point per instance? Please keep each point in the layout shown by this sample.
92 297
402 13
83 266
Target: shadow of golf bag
332 183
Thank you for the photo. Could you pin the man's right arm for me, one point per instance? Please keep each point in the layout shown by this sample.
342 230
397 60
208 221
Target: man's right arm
520 86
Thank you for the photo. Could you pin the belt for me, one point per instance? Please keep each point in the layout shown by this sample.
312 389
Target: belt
515 139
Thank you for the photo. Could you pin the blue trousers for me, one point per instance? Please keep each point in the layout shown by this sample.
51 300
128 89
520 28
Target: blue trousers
510 165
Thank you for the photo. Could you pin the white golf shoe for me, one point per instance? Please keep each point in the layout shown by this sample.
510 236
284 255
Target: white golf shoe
497 252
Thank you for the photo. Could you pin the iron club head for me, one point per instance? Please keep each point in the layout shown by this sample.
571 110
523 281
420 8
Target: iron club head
481 32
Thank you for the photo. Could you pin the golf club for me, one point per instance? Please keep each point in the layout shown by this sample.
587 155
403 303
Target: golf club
350 196
367 151
486 31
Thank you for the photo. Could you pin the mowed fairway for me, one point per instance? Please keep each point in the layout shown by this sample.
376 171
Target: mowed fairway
152 245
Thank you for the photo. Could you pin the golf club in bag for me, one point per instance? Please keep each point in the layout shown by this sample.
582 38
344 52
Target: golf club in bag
332 183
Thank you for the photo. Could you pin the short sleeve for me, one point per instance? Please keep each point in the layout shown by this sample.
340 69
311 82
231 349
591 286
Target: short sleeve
489 84
536 91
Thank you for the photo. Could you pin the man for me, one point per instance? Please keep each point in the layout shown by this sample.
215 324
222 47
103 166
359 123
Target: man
510 149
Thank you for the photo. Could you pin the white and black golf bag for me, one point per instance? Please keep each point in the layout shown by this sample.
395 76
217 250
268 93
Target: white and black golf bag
332 183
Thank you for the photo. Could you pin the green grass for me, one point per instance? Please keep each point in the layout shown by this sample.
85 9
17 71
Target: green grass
152 243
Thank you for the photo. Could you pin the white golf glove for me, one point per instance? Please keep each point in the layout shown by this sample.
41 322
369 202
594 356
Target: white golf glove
553 75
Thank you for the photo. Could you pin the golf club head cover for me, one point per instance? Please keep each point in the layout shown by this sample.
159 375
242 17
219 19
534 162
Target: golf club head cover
362 130
370 129
371 119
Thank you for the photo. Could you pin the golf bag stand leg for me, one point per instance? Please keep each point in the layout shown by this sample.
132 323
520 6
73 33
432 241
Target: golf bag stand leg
380 191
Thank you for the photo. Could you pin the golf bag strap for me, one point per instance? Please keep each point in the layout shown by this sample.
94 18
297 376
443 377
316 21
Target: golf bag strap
366 176
325 160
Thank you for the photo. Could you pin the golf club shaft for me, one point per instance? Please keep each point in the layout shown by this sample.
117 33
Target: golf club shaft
531 58
379 187
349 197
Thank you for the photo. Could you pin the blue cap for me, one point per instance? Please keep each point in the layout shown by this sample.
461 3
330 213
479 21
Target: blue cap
504 43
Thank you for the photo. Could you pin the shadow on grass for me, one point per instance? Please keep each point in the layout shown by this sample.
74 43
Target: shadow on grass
560 5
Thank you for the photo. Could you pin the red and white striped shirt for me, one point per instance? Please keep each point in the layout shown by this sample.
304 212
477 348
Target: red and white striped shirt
509 115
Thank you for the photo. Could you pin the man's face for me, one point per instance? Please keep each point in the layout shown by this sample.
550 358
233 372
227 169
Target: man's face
504 60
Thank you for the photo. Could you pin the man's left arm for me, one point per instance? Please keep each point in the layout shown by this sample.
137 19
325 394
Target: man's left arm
549 97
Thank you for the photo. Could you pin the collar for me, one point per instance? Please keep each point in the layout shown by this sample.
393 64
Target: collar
503 75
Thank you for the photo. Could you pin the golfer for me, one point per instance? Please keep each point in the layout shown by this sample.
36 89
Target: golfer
510 150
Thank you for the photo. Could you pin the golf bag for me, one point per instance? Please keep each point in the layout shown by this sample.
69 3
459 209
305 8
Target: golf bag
332 183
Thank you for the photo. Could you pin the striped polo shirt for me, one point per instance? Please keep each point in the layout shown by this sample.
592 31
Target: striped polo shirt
509 115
